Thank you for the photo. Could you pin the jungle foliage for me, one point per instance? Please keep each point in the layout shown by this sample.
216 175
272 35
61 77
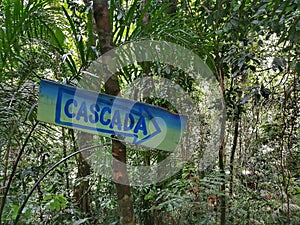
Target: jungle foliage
252 47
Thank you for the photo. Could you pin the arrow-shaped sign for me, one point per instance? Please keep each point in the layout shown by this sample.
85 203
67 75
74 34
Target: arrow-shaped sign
134 122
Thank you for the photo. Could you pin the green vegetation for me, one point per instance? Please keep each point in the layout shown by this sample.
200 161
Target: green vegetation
252 47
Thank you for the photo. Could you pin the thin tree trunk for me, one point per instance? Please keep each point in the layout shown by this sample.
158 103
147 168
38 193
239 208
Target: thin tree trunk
101 15
233 150
222 198
220 76
81 191
65 155
222 170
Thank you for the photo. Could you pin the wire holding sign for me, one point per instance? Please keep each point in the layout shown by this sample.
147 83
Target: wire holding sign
133 122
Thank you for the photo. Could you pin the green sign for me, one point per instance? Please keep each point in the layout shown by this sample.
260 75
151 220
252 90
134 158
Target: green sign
131 121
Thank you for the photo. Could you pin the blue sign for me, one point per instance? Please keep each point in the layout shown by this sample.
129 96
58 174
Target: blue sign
133 122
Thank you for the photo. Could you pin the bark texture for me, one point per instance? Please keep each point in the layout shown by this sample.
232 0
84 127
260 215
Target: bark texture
81 191
102 20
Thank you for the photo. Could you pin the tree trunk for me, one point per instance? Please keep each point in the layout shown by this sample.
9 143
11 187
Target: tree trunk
84 169
233 150
101 15
222 198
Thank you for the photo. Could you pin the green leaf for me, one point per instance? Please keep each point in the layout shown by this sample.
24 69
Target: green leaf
14 211
56 203
149 196
60 37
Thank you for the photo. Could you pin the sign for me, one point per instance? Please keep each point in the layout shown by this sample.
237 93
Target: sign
131 121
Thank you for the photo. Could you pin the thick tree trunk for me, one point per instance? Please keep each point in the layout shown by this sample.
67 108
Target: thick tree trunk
101 15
